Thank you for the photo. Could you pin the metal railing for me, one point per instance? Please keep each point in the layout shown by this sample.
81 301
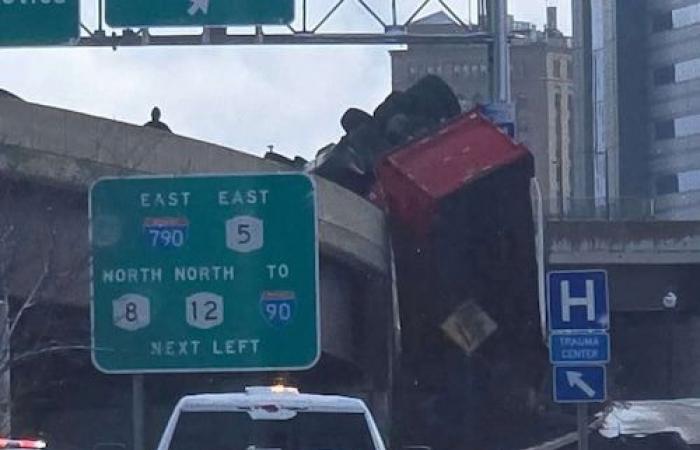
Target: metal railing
618 208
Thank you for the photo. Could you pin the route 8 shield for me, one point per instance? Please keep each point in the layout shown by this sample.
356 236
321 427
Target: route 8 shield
131 312
277 307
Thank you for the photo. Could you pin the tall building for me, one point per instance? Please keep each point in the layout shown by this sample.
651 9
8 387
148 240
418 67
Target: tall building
638 82
542 89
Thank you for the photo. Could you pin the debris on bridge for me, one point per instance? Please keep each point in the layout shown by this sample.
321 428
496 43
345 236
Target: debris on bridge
401 117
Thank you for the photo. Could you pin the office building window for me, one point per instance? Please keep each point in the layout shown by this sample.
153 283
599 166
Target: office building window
686 16
556 69
689 181
559 158
687 126
664 75
686 181
521 101
664 130
570 124
523 126
662 22
687 70
558 123
667 184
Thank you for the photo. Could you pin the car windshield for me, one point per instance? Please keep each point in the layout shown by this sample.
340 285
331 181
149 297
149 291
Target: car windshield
238 431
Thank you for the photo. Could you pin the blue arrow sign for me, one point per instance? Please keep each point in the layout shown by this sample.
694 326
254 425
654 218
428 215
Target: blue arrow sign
579 384
579 348
578 300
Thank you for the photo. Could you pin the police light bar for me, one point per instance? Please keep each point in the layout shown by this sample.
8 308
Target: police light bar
276 389
22 443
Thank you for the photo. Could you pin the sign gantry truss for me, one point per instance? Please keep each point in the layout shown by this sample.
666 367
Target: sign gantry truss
388 23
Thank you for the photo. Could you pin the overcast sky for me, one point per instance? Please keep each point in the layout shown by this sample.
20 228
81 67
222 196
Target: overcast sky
241 97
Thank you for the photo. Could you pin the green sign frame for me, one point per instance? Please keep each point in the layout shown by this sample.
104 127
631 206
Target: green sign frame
183 13
207 273
39 22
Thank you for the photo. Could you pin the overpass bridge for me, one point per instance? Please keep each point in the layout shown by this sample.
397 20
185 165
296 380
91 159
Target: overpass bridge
48 158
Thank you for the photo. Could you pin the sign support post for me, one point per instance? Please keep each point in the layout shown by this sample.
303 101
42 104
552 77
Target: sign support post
137 413
582 422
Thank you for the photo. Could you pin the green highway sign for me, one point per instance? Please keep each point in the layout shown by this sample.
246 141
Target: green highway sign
154 13
39 22
204 273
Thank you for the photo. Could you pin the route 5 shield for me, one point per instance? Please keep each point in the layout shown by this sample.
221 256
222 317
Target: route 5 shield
277 307
244 234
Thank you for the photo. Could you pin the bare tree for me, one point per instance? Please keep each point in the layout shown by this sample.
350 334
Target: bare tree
37 265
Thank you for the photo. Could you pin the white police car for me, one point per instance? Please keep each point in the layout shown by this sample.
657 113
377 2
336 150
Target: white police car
275 417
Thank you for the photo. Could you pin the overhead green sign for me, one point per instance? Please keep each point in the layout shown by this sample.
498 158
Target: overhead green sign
39 22
204 273
154 13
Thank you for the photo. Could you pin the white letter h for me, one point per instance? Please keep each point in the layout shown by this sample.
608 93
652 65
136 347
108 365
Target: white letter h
567 302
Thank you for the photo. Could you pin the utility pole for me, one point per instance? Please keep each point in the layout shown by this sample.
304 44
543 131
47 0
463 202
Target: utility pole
500 71
500 109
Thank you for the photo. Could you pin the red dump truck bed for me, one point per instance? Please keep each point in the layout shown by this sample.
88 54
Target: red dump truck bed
414 179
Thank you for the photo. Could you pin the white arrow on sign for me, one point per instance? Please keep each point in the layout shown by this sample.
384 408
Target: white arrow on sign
198 5
576 379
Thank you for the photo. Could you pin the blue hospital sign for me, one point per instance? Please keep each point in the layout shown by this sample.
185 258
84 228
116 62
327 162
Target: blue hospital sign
579 384
578 300
584 347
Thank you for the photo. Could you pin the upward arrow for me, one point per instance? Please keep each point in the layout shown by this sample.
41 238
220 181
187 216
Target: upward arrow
576 379
198 5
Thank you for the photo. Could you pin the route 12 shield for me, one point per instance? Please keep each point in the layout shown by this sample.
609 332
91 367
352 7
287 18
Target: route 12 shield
277 307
